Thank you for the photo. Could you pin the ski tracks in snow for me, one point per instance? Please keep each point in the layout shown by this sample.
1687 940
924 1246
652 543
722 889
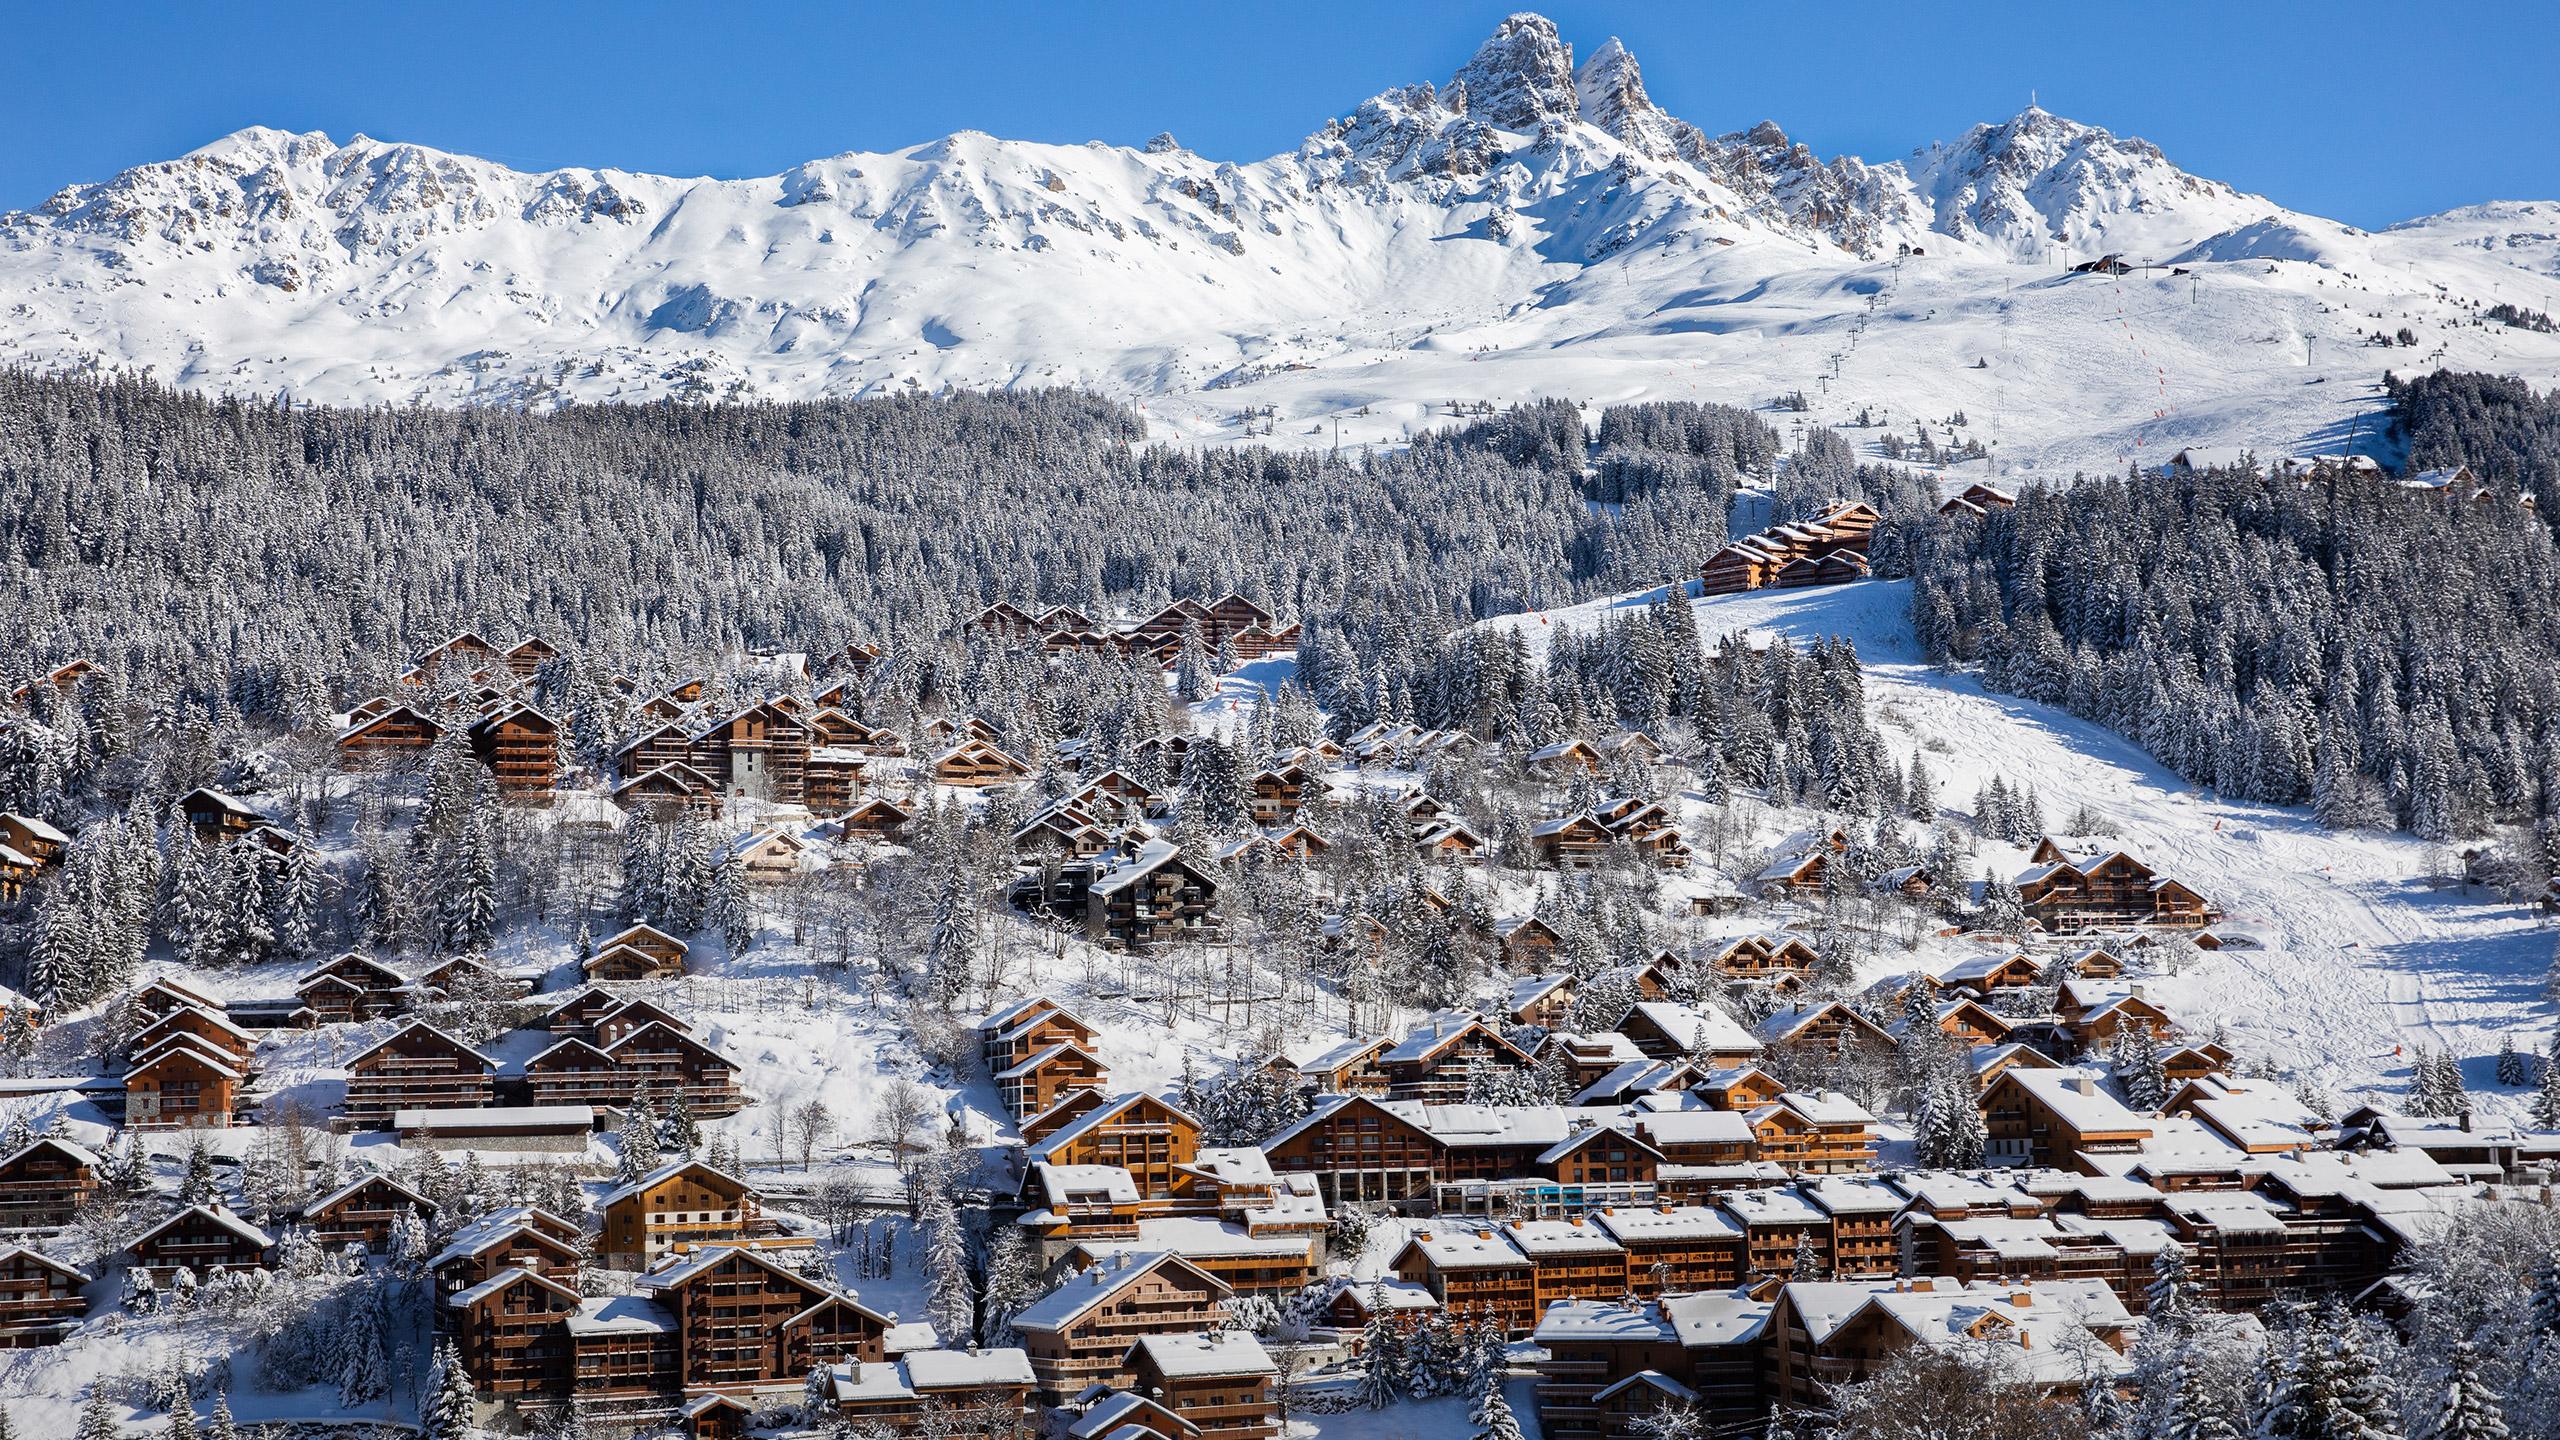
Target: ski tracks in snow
2356 959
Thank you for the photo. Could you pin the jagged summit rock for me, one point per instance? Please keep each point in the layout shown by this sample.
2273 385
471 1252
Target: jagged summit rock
1521 78
1527 205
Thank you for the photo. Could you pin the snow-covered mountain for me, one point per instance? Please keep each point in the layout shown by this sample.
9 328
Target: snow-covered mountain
1533 226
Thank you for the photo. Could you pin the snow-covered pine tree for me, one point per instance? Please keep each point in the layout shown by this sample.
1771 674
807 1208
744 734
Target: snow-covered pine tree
1381 1355
2542 1305
446 1410
2469 1408
2170 1296
196 1186
364 1367
732 912
98 1415
2511 1066
2546 1099
951 1300
682 1132
636 1138
221 1426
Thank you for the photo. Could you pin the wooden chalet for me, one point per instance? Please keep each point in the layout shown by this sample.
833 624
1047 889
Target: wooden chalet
678 1207
629 1017
526 655
1153 1140
1343 1067
760 752
395 733
878 817
1472 1270
925 1393
216 818
362 1212
770 857
1829 548
1223 1384
2103 887
1279 794
182 1083
2053 1117
1080 1333
1977 500
1565 759
642 952
418 1067
1823 1029
673 1064
63 678
669 789
43 1182
36 842
461 656
1545 1001
521 1237
206 1240
1359 1147
1527 941
208 1030
975 764
1141 899
1838 568
42 1300
743 1321
1037 1082
521 747
1004 620
1439 1056
350 988
511 1333
1740 565
1765 959
1015 1032
1571 842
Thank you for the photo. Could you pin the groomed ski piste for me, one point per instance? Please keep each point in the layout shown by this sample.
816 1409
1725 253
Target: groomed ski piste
2350 956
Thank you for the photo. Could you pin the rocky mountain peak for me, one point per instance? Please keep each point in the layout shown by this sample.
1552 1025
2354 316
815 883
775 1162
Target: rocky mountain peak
1522 77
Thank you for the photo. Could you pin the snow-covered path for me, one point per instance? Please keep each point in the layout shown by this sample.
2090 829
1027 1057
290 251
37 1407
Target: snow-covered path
2360 958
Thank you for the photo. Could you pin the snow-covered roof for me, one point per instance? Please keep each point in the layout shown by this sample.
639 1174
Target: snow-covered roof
1716 1318
1543 1239
219 1215
1777 1205
1634 1226
620 1315
1199 1357
526 1117
1068 1184
1692 1027
929 1370
668 1172
1094 1284
2077 1097
1695 1127
1448 1247
45 830
1568 1320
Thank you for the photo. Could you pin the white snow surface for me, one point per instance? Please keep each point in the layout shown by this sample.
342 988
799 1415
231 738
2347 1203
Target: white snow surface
2359 962
1531 228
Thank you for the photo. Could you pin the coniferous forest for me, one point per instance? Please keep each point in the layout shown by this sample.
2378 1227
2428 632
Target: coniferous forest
2384 654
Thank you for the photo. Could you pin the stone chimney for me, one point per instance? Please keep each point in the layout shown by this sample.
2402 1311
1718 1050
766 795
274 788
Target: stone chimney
2085 1084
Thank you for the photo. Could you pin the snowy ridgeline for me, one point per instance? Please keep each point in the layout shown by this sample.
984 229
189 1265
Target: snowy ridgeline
1530 227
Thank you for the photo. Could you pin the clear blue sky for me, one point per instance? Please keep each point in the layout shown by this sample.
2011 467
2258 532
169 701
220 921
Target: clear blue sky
2363 111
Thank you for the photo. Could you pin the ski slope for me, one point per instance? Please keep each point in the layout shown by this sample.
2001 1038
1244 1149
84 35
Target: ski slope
2359 960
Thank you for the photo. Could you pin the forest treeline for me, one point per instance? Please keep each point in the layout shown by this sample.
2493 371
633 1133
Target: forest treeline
2390 656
